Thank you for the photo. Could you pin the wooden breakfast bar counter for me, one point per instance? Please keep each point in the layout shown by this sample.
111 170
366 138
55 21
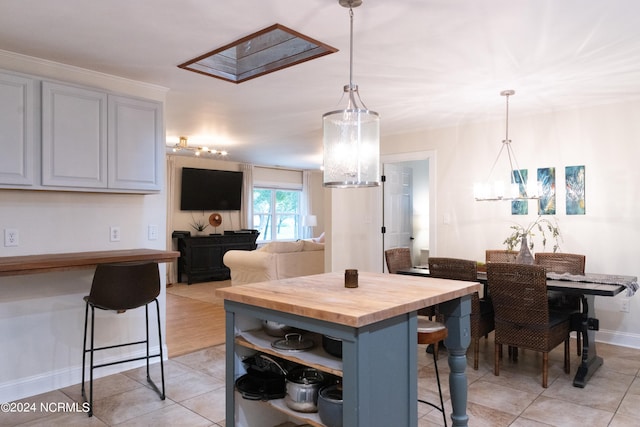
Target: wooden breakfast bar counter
44 263
377 323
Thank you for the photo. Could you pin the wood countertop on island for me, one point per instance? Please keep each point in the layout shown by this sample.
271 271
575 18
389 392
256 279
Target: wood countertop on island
378 296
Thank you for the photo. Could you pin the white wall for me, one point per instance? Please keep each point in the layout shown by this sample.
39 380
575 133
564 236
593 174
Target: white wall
606 139
41 316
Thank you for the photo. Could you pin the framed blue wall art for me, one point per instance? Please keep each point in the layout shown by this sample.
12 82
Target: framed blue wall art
547 202
575 194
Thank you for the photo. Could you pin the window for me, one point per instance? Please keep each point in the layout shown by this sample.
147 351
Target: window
276 213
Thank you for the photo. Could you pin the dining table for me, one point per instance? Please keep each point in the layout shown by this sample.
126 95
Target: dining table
587 287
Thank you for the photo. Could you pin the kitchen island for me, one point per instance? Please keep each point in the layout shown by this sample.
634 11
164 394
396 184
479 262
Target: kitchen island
377 323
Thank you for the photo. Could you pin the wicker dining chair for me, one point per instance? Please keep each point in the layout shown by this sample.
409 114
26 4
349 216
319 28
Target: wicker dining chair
522 315
481 308
398 258
500 255
565 263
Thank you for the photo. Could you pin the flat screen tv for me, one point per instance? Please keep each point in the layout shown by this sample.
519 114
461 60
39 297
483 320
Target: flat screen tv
210 190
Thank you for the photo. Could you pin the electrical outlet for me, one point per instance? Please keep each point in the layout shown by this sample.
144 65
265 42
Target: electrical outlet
624 305
11 237
152 232
114 234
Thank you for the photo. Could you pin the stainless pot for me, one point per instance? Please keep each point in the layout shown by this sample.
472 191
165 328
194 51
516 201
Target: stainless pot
275 329
330 405
303 385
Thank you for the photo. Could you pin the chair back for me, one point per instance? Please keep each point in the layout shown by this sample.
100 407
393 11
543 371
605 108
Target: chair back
499 255
561 263
453 268
519 294
398 258
124 286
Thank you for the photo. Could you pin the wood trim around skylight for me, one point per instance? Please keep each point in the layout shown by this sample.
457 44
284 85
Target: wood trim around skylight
268 50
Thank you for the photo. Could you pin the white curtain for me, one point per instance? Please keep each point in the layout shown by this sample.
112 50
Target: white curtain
172 267
306 208
246 213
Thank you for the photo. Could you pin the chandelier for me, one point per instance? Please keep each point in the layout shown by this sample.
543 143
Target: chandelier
351 137
182 145
518 188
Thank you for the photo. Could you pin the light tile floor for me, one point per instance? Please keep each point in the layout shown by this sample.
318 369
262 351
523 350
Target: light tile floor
195 393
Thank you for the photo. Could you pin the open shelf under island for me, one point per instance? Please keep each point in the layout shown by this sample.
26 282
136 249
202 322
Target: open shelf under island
377 323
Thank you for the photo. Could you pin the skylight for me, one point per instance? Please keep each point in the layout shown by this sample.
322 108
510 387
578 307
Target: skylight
260 53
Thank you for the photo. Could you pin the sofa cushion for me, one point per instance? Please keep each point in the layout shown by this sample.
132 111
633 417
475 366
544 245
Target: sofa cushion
282 247
309 245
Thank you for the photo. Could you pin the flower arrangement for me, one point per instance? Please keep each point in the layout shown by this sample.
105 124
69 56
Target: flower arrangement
547 227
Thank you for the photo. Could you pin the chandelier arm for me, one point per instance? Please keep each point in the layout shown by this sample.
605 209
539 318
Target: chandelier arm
494 163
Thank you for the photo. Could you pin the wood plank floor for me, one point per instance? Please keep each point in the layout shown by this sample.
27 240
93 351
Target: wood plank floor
195 317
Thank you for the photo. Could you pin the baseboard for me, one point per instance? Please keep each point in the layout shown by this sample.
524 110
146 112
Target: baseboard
61 378
623 339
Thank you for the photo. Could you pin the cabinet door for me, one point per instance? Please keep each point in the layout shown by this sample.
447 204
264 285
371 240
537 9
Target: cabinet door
16 125
74 136
135 144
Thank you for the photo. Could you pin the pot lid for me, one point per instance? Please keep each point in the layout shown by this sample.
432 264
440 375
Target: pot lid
293 342
306 376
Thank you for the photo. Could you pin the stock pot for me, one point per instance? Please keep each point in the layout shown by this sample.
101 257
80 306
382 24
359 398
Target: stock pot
303 384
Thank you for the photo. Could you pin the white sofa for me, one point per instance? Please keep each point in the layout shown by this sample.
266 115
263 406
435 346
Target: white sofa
276 260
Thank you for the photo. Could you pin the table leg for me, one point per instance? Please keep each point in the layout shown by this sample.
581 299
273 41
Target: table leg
590 359
457 313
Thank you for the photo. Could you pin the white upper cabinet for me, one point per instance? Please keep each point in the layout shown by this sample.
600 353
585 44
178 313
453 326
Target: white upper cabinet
74 136
135 157
95 140
17 127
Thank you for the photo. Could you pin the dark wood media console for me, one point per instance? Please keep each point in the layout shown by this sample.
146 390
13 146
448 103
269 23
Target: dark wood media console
201 256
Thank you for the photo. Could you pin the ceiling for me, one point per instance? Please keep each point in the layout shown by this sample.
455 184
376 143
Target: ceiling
419 63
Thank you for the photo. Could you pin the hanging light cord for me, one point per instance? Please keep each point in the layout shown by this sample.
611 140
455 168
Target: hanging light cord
350 48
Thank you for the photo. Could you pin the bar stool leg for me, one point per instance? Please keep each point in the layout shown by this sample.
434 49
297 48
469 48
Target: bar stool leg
161 352
441 407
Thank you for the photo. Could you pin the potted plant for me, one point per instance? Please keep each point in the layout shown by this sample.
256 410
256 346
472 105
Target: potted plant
199 224
547 228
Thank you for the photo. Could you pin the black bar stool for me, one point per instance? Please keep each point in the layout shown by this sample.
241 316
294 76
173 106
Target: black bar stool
121 287
430 332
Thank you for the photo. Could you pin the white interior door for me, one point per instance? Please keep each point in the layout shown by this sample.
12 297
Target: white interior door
398 206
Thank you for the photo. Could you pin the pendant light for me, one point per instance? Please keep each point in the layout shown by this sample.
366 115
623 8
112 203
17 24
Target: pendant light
519 188
351 137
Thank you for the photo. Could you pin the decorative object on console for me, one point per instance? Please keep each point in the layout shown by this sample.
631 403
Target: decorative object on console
351 136
183 145
520 188
198 224
215 219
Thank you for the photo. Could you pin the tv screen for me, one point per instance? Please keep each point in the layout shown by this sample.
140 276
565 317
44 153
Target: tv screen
210 190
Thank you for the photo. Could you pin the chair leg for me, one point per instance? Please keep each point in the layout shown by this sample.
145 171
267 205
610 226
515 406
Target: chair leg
84 355
476 352
441 407
162 396
149 380
435 366
545 369
496 359
567 358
